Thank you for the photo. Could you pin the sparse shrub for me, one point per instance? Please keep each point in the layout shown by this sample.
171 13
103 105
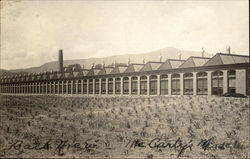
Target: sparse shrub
113 116
128 125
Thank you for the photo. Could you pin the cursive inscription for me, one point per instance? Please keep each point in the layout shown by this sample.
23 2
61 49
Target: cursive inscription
61 147
181 146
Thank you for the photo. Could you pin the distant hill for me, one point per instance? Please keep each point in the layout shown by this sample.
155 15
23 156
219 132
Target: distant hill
169 52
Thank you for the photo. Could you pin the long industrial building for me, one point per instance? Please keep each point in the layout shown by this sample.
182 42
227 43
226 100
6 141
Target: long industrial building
223 73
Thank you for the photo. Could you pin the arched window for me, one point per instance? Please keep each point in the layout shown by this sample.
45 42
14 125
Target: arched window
217 83
118 86
175 83
74 87
60 87
134 85
44 87
57 87
110 86
164 84
6 88
202 83
188 83
231 81
18 88
37 88
64 87
23 88
126 85
27 88
103 86
90 86
16 91
79 89
85 86
97 86
143 85
69 87
3 88
27 85
32 88
153 84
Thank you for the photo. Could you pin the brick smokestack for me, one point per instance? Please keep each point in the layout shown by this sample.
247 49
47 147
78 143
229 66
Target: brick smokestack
60 60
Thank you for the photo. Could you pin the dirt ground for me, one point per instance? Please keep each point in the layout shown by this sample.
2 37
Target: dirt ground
148 127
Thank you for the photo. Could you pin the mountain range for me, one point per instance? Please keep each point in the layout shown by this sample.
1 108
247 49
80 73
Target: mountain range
166 53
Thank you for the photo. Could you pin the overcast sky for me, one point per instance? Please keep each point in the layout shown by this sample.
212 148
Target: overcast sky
32 32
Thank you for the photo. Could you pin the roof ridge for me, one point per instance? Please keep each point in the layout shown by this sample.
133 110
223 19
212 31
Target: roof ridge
122 66
109 67
200 57
154 62
137 64
85 69
231 54
175 60
98 68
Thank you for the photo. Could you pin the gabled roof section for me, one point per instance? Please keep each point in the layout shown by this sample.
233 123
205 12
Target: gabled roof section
75 73
23 78
52 76
222 58
33 77
28 77
134 68
194 62
68 74
170 64
106 70
45 76
60 75
151 65
85 72
39 76
82 73
118 69
122 68
94 71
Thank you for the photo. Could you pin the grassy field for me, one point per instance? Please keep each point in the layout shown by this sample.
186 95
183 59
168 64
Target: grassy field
56 126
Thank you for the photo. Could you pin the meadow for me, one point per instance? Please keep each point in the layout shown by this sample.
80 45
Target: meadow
56 126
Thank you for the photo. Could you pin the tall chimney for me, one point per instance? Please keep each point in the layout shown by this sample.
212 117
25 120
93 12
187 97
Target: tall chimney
60 60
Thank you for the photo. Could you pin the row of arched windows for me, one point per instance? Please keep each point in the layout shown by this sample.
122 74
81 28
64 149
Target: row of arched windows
107 85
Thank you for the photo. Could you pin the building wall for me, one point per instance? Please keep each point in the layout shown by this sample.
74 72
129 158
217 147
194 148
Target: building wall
248 80
241 81
52 87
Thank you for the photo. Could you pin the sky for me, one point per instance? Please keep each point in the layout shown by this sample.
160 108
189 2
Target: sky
32 32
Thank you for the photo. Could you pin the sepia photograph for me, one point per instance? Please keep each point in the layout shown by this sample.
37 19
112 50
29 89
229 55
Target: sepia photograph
124 79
